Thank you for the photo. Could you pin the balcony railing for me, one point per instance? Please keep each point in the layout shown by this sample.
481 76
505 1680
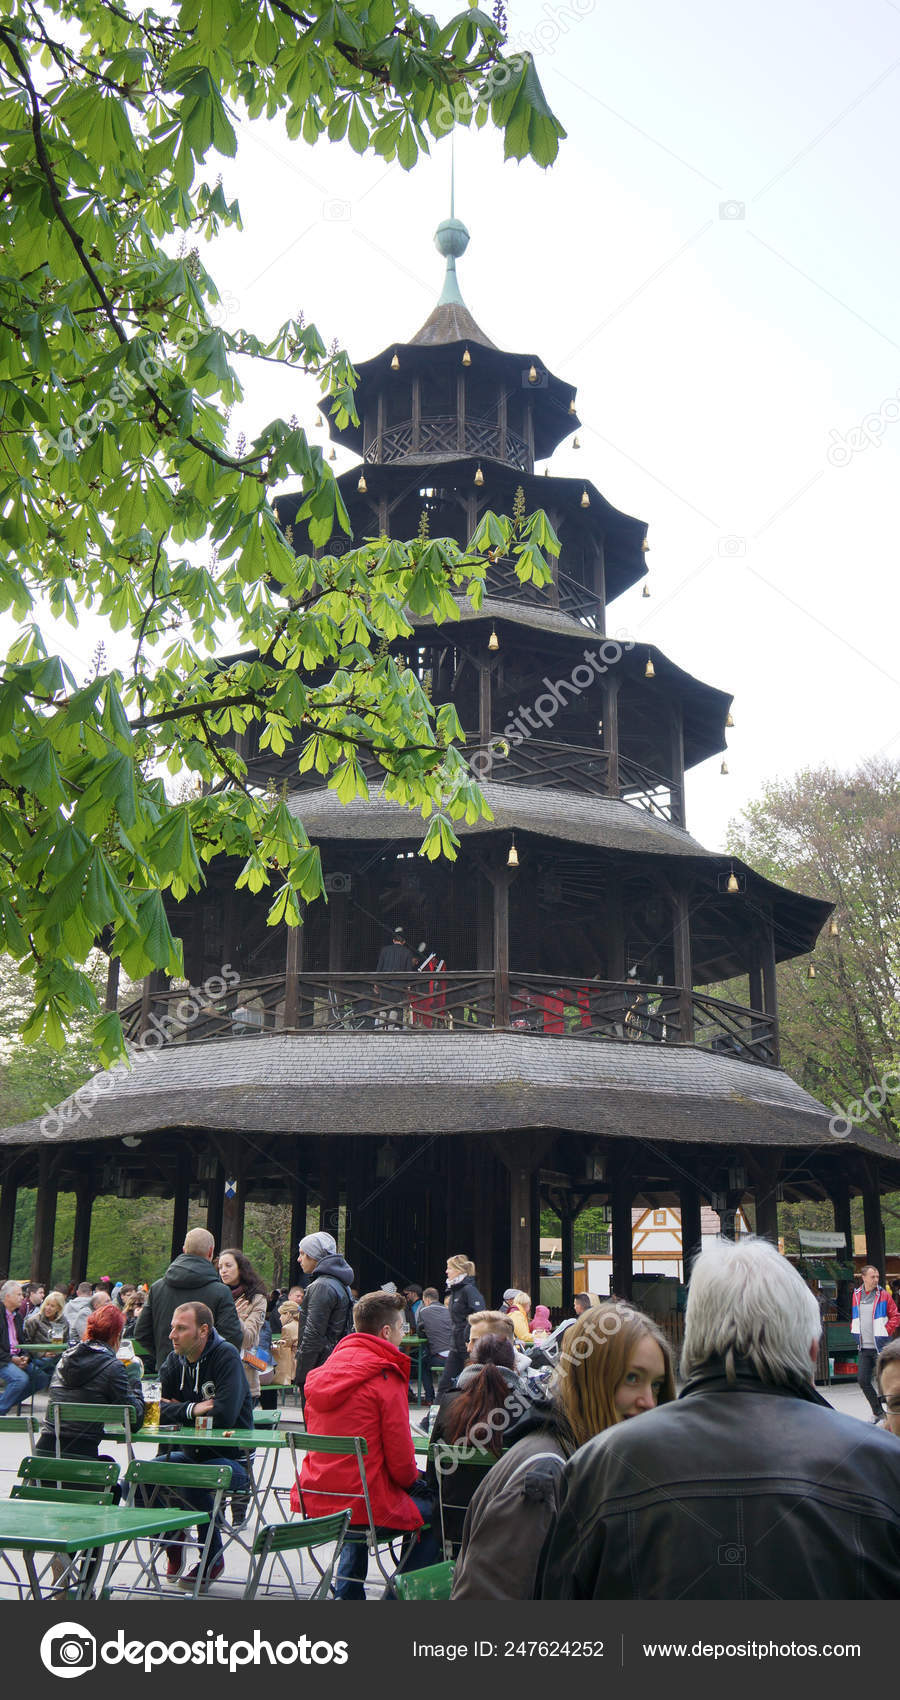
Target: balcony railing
444 434
477 1001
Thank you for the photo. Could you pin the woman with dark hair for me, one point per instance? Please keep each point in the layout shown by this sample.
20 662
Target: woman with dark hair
615 1364
250 1294
89 1373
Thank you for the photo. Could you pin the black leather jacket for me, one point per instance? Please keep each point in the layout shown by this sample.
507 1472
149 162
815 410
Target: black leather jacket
88 1374
732 1492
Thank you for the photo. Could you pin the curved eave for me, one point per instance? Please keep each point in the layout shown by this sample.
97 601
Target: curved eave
622 535
453 1083
553 420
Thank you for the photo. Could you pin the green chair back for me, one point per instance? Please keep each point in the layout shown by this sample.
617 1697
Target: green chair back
434 1583
276 1539
460 1470
266 1419
156 1473
61 1495
81 1472
341 1444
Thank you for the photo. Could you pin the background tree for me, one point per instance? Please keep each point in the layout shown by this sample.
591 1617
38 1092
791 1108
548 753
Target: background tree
120 492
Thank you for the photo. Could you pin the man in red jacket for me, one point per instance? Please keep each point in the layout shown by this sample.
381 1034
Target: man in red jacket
363 1390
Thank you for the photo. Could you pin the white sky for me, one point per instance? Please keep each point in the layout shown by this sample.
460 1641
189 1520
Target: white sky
714 356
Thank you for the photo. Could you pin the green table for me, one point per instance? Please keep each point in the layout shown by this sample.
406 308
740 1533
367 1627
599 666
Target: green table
35 1348
272 1440
35 1525
416 1343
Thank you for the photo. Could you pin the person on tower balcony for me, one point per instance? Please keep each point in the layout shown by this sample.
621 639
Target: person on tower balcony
428 1006
875 1318
393 958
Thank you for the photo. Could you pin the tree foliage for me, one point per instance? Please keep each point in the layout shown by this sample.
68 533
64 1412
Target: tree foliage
121 495
838 836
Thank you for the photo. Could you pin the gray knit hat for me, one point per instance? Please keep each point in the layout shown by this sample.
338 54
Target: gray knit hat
318 1246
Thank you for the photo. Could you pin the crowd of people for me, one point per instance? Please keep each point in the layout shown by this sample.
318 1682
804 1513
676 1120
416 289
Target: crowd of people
747 1484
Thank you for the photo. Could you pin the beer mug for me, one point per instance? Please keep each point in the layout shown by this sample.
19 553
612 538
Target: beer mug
152 1393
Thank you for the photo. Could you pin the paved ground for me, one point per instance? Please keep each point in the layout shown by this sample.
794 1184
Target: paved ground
846 1399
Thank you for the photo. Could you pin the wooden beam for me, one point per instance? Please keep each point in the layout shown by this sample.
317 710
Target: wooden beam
677 791
7 1218
112 983
81 1237
610 690
770 985
501 948
874 1226
684 974
621 1195
215 1204
181 1201
234 1193
293 965
299 1206
329 1186
690 1204
567 1234
44 1218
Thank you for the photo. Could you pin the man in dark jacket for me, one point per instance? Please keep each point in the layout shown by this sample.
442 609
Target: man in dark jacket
749 1486
433 1323
327 1311
202 1376
191 1276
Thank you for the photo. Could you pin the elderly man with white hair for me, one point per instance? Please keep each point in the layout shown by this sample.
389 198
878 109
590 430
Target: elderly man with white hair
749 1486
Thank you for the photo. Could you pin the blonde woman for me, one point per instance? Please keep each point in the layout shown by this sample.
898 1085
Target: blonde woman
615 1364
520 1313
45 1325
464 1299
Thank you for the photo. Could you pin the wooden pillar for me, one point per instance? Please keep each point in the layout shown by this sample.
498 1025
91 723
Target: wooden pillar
520 1227
684 973
484 898
755 987
534 1287
690 1203
181 1202
611 735
766 1199
567 1235
81 1237
677 790
7 1219
214 1208
484 1205
150 985
112 983
839 1192
501 947
293 965
337 931
874 1227
299 1206
621 1194
600 584
44 1219
416 412
329 1187
234 1195
615 929
484 719
461 412
501 421
770 986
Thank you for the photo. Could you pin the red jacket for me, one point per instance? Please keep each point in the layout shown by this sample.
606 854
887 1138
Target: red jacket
363 1389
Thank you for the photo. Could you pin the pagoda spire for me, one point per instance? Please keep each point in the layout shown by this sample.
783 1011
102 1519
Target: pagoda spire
451 239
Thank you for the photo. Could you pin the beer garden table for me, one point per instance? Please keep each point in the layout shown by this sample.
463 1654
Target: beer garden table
35 1525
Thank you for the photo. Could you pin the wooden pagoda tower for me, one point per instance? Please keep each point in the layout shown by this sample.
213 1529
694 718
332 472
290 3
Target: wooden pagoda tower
572 1050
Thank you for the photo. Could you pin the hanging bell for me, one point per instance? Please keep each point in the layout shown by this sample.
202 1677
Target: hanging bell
362 486
724 767
479 476
576 443
572 405
645 546
466 357
512 860
649 670
733 884
811 971
532 373
834 930
646 590
585 499
493 640
395 362
729 719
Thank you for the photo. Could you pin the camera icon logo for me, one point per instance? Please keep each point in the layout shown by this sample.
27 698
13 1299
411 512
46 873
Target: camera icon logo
68 1650
731 1554
732 547
337 212
732 209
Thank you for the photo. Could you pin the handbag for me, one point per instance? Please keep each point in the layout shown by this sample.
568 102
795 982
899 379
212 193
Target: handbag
260 1356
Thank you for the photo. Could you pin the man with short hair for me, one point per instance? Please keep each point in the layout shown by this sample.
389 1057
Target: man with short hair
327 1312
191 1276
749 1486
77 1311
875 1318
20 1374
435 1327
363 1390
887 1376
202 1376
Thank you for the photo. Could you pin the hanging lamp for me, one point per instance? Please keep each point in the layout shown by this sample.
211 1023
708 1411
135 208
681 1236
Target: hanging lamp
645 546
493 640
576 444
649 670
362 486
733 882
466 357
834 930
333 455
532 373
724 767
729 719
395 362
512 860
572 405
585 498
479 476
646 590
811 971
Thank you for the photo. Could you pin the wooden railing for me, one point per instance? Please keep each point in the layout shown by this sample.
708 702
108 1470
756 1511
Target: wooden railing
543 1004
441 434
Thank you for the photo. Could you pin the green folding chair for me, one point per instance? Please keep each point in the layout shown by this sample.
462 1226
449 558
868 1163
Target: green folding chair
434 1583
157 1483
67 1481
347 1446
305 1535
114 1416
266 1419
459 1469
43 1470
20 1425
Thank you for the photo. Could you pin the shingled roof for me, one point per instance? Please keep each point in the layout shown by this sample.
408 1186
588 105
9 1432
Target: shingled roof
450 1083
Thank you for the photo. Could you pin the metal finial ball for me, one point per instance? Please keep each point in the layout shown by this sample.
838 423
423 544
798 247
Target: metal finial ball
451 238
